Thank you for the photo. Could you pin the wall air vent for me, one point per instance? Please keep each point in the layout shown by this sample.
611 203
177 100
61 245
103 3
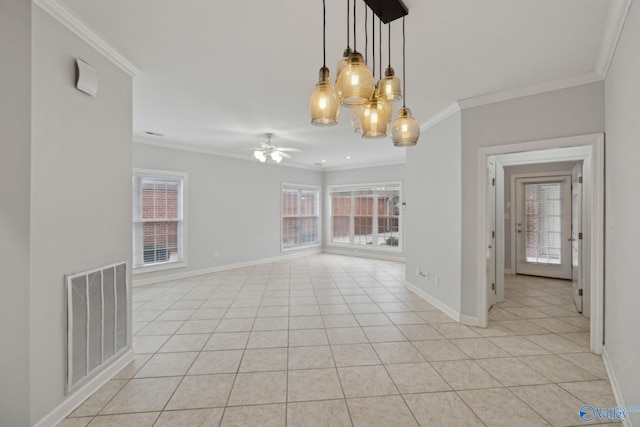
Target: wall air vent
97 315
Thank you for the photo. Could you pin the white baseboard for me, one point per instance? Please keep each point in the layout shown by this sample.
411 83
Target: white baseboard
365 254
185 274
469 320
434 302
615 387
75 399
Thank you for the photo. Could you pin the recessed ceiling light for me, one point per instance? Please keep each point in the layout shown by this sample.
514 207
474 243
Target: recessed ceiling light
323 161
348 157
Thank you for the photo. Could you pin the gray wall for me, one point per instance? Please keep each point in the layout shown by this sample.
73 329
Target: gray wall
80 189
509 171
15 172
622 252
574 111
66 166
233 205
432 219
392 173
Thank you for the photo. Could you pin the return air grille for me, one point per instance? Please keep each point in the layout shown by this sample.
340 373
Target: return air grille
96 320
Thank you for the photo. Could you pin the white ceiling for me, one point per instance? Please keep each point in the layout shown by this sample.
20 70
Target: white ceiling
217 75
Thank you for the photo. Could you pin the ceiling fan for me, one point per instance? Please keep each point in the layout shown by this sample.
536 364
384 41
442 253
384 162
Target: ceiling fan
267 149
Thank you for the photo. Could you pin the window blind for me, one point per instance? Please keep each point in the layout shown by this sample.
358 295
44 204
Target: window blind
365 215
157 219
300 216
543 222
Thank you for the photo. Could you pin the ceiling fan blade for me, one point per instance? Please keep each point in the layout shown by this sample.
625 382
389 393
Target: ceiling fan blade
289 149
286 156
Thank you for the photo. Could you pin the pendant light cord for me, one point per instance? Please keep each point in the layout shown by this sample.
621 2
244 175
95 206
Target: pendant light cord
324 36
380 45
355 49
366 35
348 26
389 46
373 43
404 68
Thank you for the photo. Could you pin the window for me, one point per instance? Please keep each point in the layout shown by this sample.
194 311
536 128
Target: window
300 216
543 222
158 219
365 215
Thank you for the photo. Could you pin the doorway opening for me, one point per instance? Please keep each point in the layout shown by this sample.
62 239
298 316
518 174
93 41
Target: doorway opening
586 151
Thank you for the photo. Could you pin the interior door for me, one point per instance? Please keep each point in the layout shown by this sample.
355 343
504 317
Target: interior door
543 226
576 235
490 229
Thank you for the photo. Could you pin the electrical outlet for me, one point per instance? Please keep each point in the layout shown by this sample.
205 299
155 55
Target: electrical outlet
215 255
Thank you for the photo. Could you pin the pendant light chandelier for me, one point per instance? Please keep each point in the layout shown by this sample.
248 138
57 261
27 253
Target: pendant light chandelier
356 86
355 83
324 104
405 130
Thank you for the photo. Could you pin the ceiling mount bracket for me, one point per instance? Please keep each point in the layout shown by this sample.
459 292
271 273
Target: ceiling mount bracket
388 10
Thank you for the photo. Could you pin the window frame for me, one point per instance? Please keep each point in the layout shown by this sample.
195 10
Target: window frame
301 187
375 224
182 222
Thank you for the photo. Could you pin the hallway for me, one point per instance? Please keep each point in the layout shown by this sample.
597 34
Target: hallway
334 340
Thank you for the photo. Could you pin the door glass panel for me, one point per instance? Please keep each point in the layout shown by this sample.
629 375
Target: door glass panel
542 223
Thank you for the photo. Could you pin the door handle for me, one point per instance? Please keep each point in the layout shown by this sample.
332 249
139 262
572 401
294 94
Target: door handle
519 231
490 246
571 239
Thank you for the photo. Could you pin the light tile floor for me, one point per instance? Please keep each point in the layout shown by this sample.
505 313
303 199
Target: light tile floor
339 341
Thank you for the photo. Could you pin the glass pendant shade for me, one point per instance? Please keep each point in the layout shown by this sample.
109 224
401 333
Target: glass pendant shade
324 104
405 130
374 120
356 119
342 62
388 106
355 82
390 86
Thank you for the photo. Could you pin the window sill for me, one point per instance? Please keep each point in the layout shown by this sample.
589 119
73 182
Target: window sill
158 267
391 249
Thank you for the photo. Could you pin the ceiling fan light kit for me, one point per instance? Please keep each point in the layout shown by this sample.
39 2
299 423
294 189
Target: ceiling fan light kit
269 151
356 87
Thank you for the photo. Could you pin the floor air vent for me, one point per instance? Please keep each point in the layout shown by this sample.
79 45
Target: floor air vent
96 320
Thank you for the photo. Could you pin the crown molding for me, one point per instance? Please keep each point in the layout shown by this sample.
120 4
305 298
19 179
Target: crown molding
363 166
618 11
174 145
534 89
74 23
440 116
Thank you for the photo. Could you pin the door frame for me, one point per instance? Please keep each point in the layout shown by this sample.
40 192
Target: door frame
589 149
513 208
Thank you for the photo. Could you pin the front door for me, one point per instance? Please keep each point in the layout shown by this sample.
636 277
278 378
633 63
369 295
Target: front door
576 235
543 226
